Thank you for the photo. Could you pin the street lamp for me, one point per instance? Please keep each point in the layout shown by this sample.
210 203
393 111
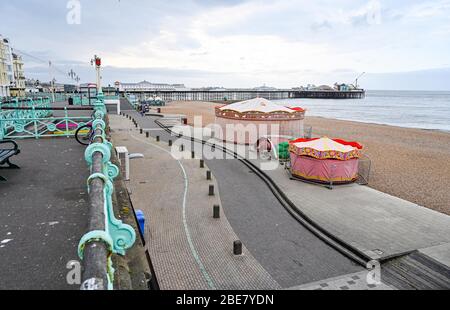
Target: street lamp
97 61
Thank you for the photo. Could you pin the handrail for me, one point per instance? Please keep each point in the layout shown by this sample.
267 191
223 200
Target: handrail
107 235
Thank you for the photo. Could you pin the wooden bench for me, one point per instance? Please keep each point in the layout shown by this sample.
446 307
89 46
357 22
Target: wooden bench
6 154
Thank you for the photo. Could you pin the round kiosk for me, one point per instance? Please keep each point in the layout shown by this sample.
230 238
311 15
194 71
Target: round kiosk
324 160
247 121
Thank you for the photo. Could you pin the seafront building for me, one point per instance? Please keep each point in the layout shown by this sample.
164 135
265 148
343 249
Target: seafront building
18 86
6 67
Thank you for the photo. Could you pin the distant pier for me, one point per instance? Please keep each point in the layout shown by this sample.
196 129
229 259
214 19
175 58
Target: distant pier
327 94
239 95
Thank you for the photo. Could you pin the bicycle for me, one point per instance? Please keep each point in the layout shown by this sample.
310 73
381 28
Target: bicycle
84 134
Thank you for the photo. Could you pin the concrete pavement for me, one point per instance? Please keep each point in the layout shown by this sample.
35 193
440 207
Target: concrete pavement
43 214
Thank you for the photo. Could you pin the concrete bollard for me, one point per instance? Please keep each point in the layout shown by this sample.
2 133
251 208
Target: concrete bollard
202 163
211 190
237 247
208 175
170 142
216 212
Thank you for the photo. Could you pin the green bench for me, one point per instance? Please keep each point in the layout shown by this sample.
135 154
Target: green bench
6 153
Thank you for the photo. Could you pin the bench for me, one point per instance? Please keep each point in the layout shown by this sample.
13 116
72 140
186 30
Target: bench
5 154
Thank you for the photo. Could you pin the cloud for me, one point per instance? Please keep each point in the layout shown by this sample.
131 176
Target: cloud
280 42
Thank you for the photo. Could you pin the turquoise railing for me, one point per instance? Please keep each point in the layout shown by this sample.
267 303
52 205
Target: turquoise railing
132 100
107 232
34 118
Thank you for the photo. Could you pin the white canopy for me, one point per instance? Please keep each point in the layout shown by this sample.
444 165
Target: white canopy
325 144
256 105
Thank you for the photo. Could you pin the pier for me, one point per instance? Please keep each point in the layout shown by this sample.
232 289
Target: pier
327 94
240 94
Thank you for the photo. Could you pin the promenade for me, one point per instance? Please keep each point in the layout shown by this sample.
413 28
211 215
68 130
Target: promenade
45 211
289 253
43 214
381 226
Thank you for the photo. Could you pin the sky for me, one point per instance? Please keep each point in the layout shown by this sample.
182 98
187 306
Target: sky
401 44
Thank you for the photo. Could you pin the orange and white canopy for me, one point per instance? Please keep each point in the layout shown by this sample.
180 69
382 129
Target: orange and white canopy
260 105
326 148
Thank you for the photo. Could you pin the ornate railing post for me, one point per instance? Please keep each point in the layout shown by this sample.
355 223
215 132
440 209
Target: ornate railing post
107 235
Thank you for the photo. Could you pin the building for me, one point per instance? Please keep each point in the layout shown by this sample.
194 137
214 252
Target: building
6 67
18 87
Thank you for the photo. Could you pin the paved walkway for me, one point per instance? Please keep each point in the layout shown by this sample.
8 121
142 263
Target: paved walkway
376 223
288 251
43 214
189 249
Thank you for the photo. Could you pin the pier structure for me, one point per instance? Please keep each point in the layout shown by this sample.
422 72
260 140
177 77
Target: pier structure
329 94
212 95
234 95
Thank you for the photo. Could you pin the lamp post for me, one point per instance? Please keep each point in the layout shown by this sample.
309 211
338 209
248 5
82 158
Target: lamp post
97 61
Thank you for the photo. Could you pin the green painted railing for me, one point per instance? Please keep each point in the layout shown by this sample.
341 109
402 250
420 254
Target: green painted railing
35 118
132 100
108 235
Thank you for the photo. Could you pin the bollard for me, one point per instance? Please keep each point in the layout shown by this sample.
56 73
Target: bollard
170 142
157 138
202 163
208 175
192 154
211 190
237 247
142 131
182 148
147 134
216 212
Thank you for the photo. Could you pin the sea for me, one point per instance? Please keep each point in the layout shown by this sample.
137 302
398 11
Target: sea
412 109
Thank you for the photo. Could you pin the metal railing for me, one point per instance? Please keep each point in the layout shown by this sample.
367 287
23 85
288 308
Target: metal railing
35 118
107 235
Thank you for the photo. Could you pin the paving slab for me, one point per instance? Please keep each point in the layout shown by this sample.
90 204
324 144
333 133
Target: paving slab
355 281
440 253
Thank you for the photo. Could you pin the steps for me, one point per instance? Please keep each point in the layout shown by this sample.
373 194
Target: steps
416 271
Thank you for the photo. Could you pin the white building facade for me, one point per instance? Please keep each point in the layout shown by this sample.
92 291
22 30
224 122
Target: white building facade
6 67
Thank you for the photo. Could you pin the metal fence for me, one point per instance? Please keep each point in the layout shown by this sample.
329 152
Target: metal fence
37 118
107 235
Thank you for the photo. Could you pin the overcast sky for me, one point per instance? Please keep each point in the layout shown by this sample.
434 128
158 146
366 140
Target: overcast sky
401 44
